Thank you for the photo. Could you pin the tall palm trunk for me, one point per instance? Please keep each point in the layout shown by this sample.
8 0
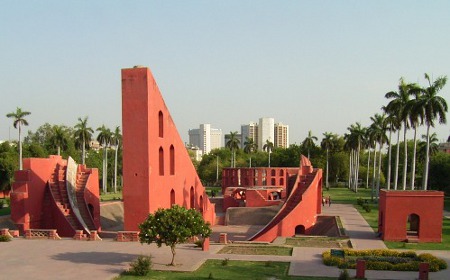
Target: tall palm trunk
413 163
388 180
357 167
350 171
427 160
326 174
405 161
374 170
20 148
379 170
83 150
115 166
368 170
397 158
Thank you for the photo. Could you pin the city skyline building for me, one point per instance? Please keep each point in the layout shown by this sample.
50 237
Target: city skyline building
266 132
249 131
205 138
281 135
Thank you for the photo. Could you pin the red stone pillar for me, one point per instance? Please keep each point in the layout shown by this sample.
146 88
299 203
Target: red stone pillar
424 268
360 269
223 238
205 245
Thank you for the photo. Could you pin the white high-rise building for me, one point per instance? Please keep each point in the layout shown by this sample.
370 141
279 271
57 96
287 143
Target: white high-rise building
266 131
206 138
281 135
249 131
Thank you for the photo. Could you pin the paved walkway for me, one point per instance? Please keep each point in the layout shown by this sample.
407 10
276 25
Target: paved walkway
68 259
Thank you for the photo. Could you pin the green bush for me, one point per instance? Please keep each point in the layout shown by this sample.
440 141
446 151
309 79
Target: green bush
225 261
5 238
141 266
382 259
343 275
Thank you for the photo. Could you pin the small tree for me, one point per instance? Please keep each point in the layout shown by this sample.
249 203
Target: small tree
173 226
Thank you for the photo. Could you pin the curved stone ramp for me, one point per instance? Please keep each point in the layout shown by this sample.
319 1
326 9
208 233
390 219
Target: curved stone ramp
111 218
250 215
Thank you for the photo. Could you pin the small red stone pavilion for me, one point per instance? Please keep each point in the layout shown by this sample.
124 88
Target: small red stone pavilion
157 169
297 190
412 216
52 193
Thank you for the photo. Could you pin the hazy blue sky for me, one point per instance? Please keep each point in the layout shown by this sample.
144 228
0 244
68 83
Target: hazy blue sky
314 65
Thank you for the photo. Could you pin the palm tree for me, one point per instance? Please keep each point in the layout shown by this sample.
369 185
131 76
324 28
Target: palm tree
433 147
250 146
398 105
415 114
354 141
83 135
433 107
369 144
116 139
393 124
268 147
379 127
233 144
19 120
327 144
104 138
308 143
59 138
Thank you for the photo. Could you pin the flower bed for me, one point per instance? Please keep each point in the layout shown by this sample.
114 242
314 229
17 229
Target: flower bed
384 260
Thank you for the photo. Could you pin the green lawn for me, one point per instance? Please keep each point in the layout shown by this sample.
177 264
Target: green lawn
256 250
111 196
5 211
213 269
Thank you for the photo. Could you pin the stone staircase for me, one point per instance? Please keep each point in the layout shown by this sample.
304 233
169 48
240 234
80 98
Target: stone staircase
57 186
82 178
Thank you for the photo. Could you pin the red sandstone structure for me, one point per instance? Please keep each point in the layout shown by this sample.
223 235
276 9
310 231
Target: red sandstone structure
158 171
411 216
55 196
298 191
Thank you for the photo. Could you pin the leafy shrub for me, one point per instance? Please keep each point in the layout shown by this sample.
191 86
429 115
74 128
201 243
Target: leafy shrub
225 261
360 201
5 238
367 208
344 275
141 266
382 259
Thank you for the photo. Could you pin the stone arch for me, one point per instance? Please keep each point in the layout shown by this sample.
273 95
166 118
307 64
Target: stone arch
172 197
160 124
300 229
201 204
272 172
413 224
281 172
161 161
272 181
281 181
191 198
172 160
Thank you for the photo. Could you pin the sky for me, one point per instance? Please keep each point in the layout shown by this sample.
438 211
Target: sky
314 65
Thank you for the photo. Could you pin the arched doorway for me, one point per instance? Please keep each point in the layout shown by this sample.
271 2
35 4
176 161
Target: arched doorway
413 225
192 198
300 229
201 204
172 198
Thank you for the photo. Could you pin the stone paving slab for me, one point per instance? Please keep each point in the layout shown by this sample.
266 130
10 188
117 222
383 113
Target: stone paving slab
69 259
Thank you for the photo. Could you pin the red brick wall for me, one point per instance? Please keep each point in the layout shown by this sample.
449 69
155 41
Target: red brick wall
149 136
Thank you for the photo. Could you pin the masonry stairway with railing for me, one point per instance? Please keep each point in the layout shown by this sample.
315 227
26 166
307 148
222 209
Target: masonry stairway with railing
298 187
60 197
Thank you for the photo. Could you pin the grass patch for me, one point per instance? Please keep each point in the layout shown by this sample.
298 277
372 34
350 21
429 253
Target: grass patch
318 242
213 269
111 196
256 250
5 211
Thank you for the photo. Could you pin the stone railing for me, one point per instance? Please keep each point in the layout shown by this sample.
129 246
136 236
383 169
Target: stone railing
93 236
9 232
41 233
127 236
